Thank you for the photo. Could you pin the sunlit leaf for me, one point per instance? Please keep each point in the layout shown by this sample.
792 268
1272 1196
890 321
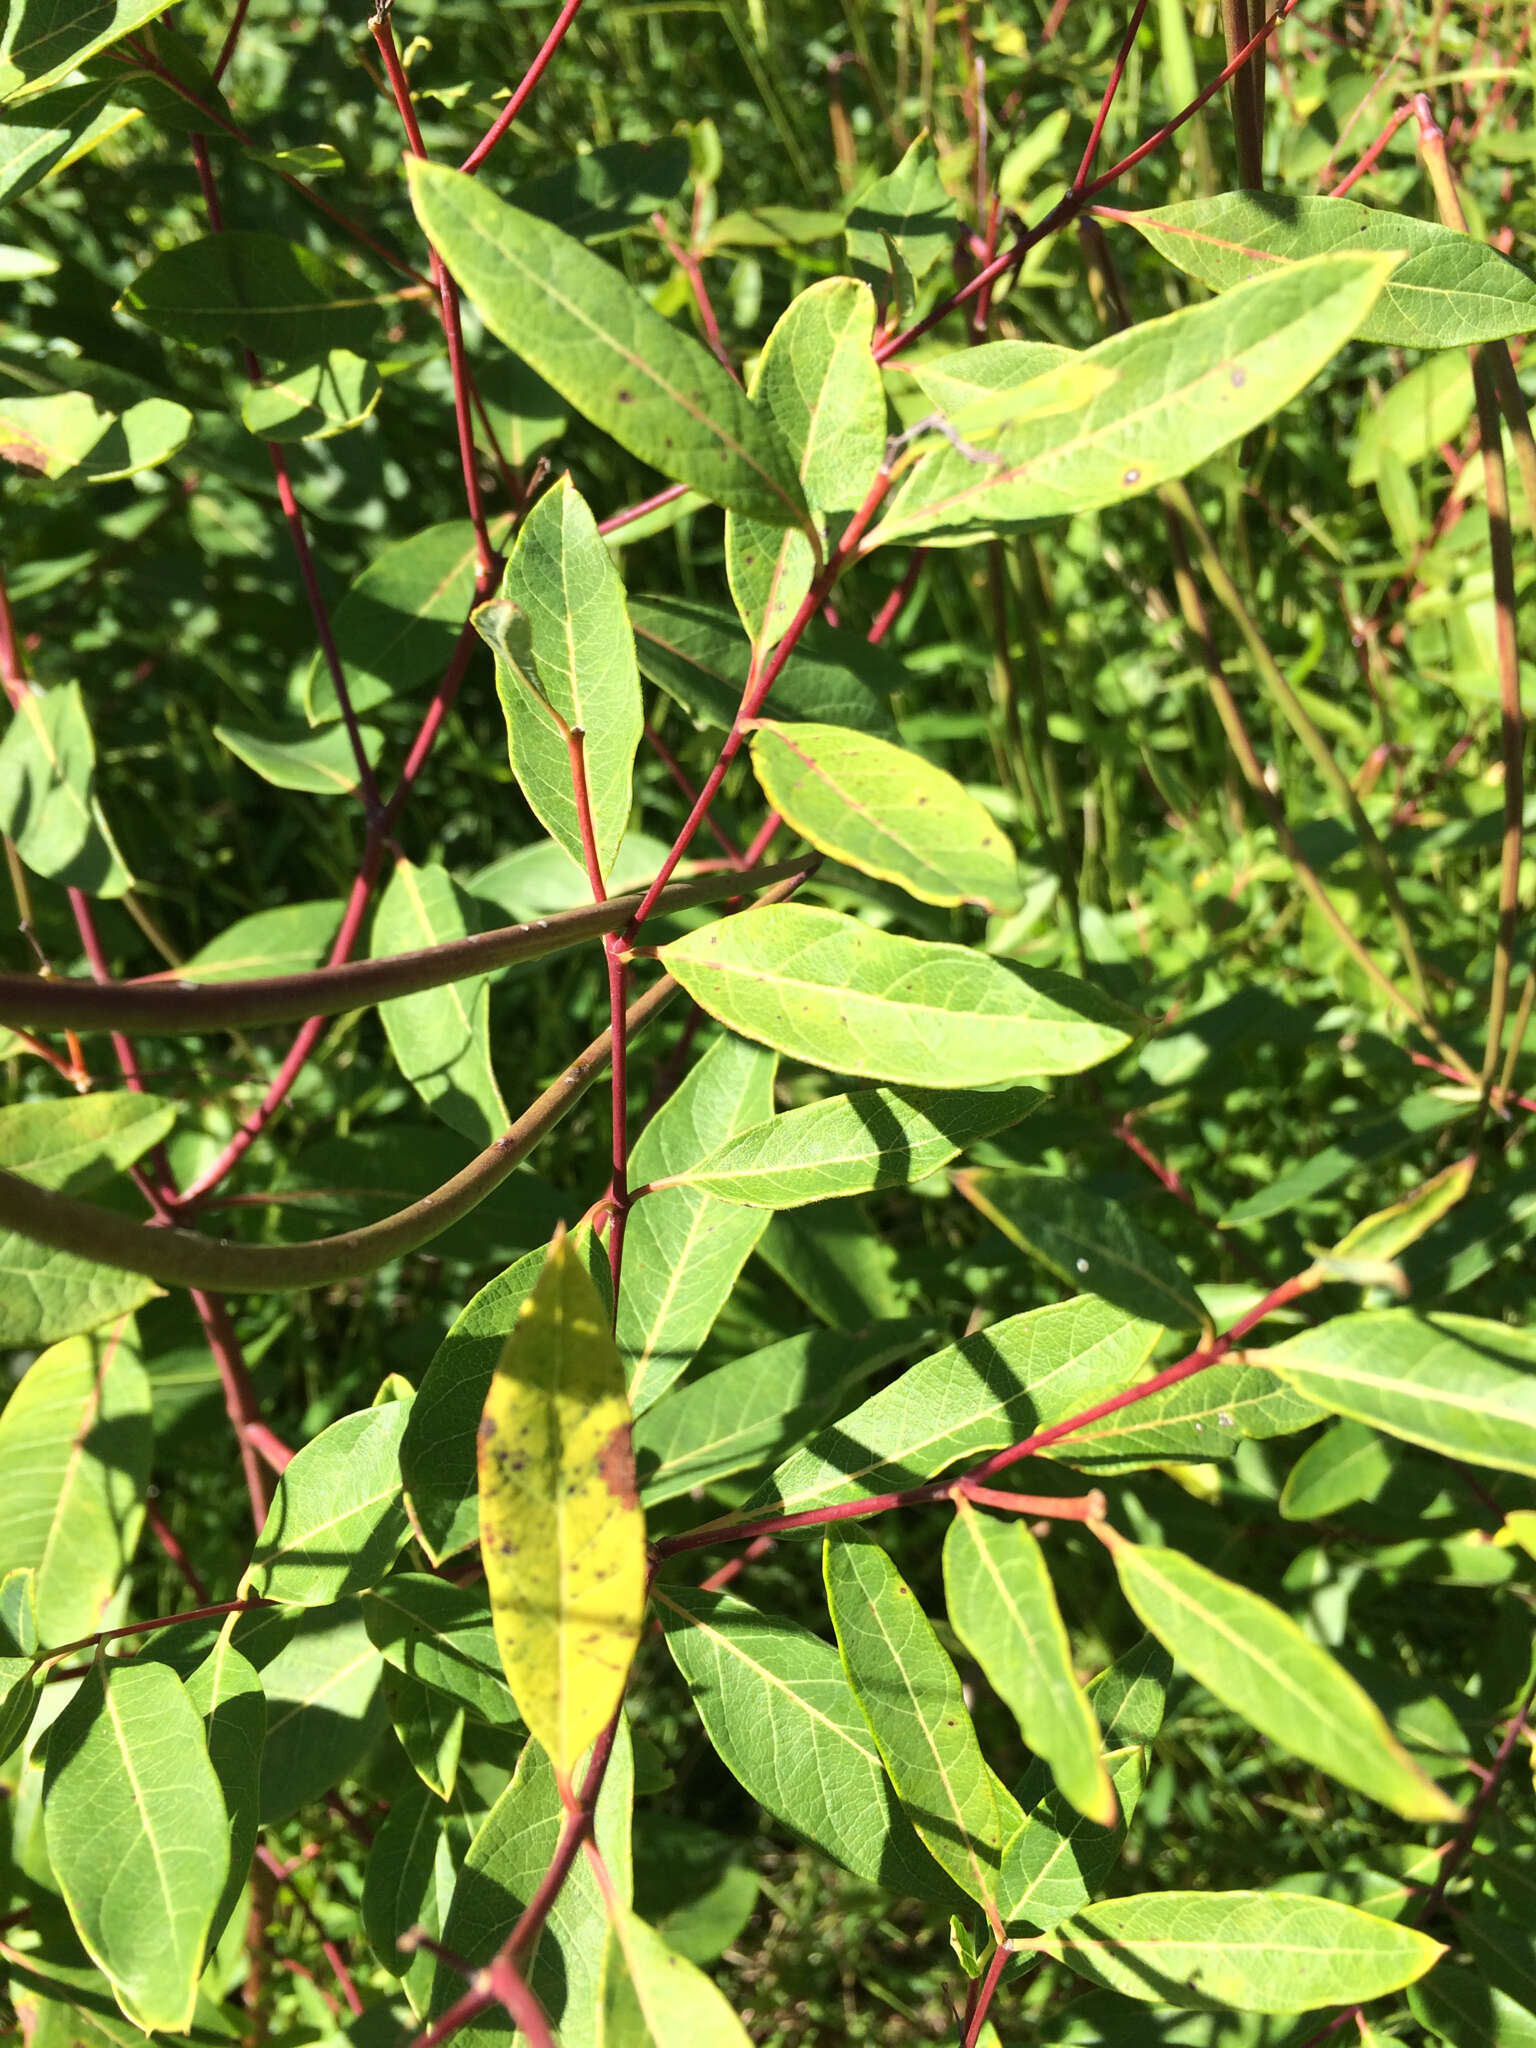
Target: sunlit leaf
1255 1659
1003 1608
886 811
1240 1951
584 328
562 1535
836 993
909 1692
138 1835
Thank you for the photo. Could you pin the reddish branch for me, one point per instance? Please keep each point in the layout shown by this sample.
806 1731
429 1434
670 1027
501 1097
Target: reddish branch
729 1531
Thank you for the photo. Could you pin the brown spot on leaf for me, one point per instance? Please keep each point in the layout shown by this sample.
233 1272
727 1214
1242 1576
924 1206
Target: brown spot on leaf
25 453
616 1467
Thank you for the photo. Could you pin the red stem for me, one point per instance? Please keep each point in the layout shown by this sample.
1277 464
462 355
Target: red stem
161 1530
531 77
453 326
1072 203
977 2016
942 1489
1117 73
757 690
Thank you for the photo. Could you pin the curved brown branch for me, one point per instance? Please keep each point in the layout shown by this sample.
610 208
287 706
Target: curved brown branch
185 1258
164 1003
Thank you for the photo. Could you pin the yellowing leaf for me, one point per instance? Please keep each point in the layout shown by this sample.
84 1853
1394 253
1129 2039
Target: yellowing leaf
561 1531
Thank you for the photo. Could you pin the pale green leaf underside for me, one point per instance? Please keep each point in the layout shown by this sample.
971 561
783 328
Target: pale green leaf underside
578 666
441 1038
684 1248
1449 291
839 994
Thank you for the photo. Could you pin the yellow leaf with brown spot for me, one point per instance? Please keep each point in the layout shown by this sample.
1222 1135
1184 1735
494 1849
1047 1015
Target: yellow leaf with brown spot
561 1531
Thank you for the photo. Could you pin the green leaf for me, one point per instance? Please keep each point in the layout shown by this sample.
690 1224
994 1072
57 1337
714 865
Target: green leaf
261 291
958 380
68 434
1418 1118
684 1248
561 1532
1472 1240
534 881
1448 292
47 805
698 655
1003 1608
908 211
1432 404
408 1881
831 1257
46 1295
321 1675
818 382
838 994
909 1693
441 1039
138 1835
510 1853
47 39
1201 1418
885 811
1058 1860
1455 1384
429 1728
1088 1241
1458 2004
743 1414
853 1144
604 191
1258 1662
226 1691
399 619
286 941
653 1997
437 1452
777 1706
443 1636
77 1142
316 763
1241 1951
337 1517
314 400
564 652
47 134
75 1448
1182 387
994 1388
588 332
1347 1463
